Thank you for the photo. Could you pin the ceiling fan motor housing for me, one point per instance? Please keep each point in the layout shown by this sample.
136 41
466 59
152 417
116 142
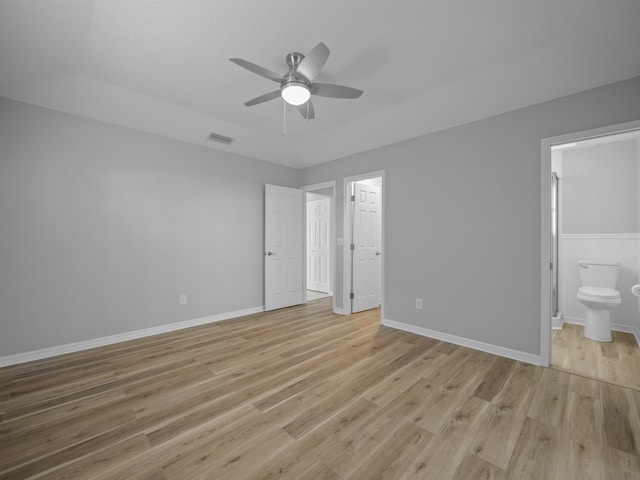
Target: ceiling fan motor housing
293 60
295 79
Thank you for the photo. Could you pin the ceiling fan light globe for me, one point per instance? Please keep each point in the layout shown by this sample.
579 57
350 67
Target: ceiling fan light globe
295 93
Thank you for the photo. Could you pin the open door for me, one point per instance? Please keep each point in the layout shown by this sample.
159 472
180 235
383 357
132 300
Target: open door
283 255
367 247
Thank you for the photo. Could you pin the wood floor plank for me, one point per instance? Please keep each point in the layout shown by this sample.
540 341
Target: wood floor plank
494 379
618 411
375 370
383 462
453 382
320 444
550 398
474 467
619 465
95 463
580 452
303 393
177 447
496 436
442 455
393 386
535 453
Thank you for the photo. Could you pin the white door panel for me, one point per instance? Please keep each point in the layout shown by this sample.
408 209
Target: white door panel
283 247
367 239
318 245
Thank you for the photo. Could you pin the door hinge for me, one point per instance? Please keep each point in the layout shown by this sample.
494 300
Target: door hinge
353 198
351 296
353 247
551 266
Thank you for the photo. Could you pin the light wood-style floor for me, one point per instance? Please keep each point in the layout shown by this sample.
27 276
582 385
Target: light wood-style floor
302 393
617 362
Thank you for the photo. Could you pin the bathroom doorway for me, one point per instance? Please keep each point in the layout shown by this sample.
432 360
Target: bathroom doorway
593 188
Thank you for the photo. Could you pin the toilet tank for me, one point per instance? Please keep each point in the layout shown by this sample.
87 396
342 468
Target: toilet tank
599 273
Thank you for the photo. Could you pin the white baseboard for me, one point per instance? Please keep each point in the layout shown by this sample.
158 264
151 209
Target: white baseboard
121 337
616 327
339 311
573 320
466 342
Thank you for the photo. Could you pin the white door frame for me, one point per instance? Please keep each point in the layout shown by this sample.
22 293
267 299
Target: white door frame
545 226
346 252
332 237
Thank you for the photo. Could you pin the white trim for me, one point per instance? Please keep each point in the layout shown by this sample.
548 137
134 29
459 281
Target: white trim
545 222
346 233
121 337
333 236
575 320
466 342
340 311
546 282
606 236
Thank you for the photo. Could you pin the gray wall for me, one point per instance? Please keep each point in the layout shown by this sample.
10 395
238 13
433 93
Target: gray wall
463 216
102 228
600 188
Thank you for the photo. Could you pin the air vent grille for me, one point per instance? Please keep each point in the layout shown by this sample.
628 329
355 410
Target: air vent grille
216 137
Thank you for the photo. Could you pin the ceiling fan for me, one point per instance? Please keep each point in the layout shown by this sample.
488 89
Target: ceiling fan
296 86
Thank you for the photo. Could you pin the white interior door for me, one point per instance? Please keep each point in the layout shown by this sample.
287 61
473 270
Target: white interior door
283 245
318 245
367 240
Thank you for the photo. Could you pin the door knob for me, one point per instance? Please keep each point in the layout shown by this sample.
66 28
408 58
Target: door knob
378 253
270 253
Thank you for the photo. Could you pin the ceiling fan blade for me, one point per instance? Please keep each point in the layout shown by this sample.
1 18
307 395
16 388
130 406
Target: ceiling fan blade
334 91
263 98
252 67
313 62
307 114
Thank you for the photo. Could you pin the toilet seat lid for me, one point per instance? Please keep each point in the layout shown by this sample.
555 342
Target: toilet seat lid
599 292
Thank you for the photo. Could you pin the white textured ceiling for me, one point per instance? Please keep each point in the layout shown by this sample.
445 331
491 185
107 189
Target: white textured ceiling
162 66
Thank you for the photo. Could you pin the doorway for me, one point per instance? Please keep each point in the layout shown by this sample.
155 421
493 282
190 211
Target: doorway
364 242
590 212
319 251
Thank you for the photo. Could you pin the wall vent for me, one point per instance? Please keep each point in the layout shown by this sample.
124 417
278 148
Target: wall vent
216 137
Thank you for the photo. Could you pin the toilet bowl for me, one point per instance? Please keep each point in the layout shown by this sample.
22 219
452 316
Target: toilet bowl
598 296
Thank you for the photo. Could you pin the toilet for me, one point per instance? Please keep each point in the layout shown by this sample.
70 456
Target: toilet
599 296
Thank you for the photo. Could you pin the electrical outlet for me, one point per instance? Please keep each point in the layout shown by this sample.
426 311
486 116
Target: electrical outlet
419 303
183 299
